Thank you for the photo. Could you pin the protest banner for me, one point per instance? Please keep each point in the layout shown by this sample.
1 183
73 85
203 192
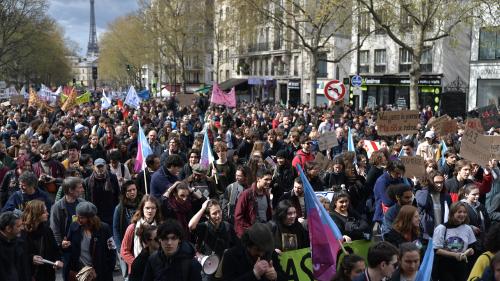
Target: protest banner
359 247
489 116
444 125
185 99
297 265
327 140
397 122
17 99
321 161
479 148
414 166
474 124
327 194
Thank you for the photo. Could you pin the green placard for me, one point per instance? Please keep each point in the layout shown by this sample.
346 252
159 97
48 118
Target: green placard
297 265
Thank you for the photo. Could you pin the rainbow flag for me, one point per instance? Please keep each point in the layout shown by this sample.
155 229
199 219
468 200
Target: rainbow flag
324 234
143 151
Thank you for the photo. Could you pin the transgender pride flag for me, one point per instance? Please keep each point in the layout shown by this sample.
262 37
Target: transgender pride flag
206 152
143 150
324 234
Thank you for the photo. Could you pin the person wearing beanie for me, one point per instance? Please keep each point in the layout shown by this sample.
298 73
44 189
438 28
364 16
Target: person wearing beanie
89 244
283 176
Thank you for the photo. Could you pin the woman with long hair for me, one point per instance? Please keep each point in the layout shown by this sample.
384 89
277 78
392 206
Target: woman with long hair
347 219
89 247
406 227
40 242
453 242
148 212
123 215
150 243
289 234
351 266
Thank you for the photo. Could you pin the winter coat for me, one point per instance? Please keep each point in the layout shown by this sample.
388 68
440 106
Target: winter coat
103 258
282 182
302 158
380 194
18 200
426 209
59 219
246 210
179 267
13 260
161 180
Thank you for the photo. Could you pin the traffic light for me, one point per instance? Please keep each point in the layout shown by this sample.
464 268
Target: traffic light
94 72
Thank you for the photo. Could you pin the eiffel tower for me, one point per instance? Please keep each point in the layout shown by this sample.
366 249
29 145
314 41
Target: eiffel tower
92 48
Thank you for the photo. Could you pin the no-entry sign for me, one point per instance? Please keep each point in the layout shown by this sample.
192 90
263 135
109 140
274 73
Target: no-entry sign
334 90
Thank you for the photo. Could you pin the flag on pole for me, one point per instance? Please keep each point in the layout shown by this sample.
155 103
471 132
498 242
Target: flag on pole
444 148
206 152
143 151
105 101
350 146
83 98
58 91
324 234
219 97
144 94
132 98
24 92
425 271
70 102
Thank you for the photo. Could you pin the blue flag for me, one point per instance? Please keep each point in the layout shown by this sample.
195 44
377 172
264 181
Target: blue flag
425 271
444 148
206 152
144 94
143 151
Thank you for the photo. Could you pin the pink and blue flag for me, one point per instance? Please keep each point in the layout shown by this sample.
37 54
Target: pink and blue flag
444 148
143 151
324 234
425 271
206 152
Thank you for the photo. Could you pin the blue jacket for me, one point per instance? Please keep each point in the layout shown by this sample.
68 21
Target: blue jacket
379 191
161 180
18 200
426 210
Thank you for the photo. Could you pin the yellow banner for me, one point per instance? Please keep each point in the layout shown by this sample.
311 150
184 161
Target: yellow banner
297 265
83 98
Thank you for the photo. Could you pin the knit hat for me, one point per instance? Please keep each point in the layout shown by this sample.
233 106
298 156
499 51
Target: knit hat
198 169
86 209
260 234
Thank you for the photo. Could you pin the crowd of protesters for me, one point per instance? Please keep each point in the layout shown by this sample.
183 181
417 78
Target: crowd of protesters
72 200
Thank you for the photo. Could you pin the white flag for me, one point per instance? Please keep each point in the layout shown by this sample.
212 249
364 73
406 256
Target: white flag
105 101
132 98
58 91
24 92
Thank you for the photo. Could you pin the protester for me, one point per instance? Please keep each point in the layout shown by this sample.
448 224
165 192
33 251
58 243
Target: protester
288 232
233 192
405 228
150 244
351 266
409 259
166 175
382 262
350 223
12 254
174 259
28 185
492 247
10 182
40 242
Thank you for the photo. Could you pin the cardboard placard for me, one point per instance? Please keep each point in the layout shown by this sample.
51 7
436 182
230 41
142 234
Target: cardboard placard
444 125
321 161
397 122
479 148
15 100
185 99
327 140
489 116
414 166
474 124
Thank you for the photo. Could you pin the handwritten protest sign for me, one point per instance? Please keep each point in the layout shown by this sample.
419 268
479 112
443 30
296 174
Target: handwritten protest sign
327 140
479 148
185 99
414 166
17 99
489 116
444 125
474 124
397 122
297 265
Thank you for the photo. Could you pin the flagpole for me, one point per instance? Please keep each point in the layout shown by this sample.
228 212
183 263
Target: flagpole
215 175
145 181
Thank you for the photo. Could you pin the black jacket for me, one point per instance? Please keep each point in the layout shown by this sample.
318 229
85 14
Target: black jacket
12 260
283 178
179 267
238 266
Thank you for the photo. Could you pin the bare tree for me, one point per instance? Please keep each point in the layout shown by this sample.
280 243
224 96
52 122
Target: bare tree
413 24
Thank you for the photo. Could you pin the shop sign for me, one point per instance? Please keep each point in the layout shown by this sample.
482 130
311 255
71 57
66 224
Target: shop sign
294 85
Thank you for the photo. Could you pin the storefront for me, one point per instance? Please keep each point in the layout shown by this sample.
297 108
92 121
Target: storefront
484 87
394 91
293 98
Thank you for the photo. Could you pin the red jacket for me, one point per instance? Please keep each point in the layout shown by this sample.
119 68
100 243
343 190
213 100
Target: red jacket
246 210
302 158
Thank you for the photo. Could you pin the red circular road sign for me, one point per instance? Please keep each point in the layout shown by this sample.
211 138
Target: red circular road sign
334 90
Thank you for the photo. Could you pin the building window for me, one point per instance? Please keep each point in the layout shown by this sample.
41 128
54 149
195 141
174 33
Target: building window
489 43
405 20
380 61
378 28
266 66
296 66
426 60
227 54
364 61
227 74
322 66
405 58
364 23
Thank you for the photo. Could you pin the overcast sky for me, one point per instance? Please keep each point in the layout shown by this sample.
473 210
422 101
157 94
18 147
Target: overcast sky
74 17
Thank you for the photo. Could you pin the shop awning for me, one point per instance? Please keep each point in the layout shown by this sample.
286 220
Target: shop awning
204 90
228 84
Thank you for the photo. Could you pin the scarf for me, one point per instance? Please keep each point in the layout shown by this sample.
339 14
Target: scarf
137 241
127 210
